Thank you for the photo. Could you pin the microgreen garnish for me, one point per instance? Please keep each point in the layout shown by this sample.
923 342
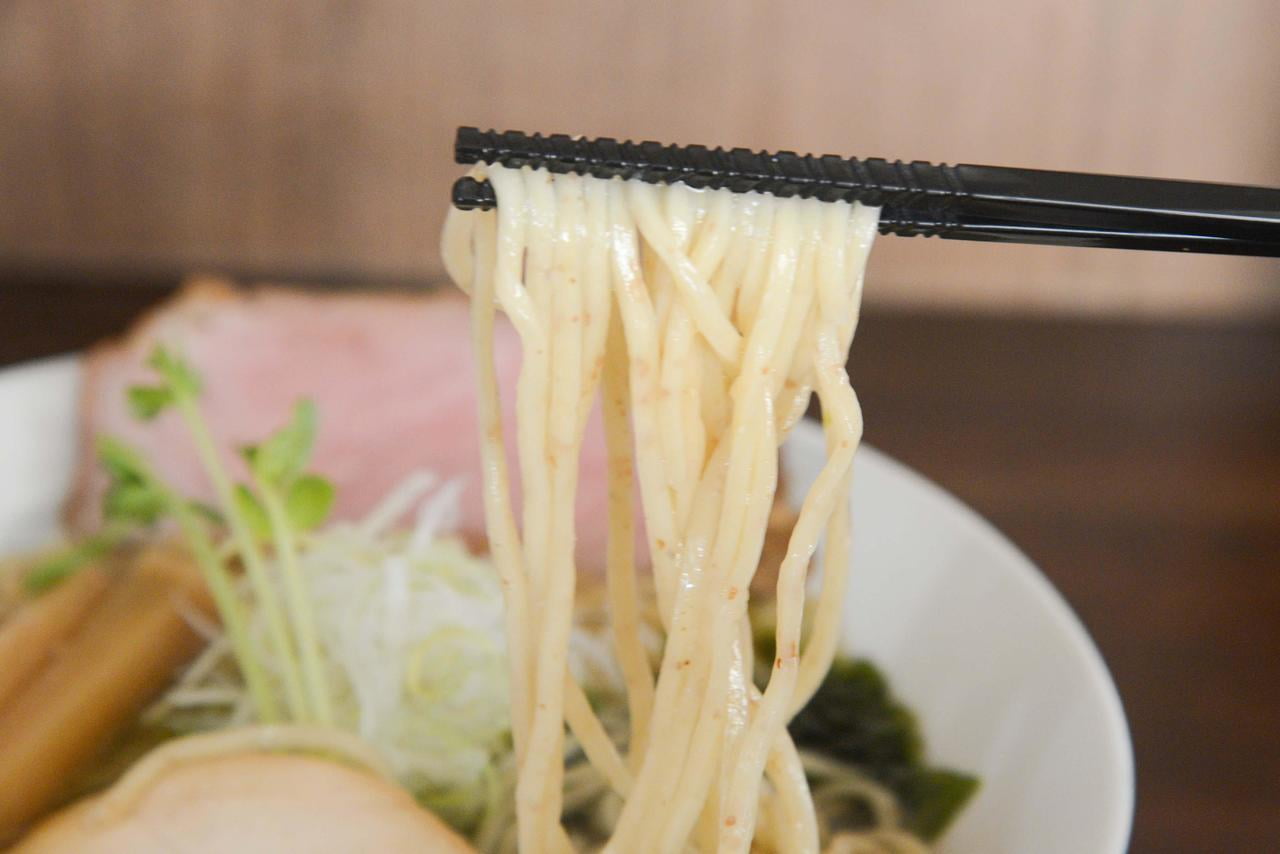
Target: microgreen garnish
280 500
136 496
58 567
287 501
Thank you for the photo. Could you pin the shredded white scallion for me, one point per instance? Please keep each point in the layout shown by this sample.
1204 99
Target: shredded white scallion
411 630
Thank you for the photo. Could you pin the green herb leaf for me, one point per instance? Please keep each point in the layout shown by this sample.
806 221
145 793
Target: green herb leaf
132 497
54 571
122 462
148 401
138 503
176 371
59 567
309 501
284 455
253 513
207 511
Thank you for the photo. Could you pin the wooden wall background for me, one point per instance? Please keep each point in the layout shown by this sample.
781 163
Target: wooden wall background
312 138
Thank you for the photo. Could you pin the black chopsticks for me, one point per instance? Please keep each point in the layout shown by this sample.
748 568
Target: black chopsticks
987 203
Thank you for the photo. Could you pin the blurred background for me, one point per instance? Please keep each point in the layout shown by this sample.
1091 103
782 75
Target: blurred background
1117 413
314 138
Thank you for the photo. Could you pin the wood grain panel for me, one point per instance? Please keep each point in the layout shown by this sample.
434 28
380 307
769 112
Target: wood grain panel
313 137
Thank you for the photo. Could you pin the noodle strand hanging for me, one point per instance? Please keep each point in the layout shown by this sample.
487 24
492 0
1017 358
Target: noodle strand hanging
703 321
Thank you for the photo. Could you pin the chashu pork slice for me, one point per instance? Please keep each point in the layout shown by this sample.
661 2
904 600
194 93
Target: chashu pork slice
250 803
392 375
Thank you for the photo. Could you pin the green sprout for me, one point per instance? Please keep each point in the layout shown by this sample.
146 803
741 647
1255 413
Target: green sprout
55 569
287 501
282 501
137 497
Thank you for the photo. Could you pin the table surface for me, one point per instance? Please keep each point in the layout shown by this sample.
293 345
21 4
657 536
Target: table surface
1138 464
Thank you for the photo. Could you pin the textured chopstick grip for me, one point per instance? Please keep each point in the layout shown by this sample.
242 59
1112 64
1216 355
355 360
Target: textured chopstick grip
873 181
965 202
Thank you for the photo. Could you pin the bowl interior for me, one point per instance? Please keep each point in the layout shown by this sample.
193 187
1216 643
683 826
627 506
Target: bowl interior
1004 678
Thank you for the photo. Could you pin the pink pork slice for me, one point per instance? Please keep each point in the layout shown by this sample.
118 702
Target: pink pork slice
392 375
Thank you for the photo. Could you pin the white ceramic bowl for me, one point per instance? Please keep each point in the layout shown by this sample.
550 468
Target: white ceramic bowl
1004 678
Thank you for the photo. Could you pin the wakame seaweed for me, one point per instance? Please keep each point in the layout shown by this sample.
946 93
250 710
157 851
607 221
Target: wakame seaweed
853 718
